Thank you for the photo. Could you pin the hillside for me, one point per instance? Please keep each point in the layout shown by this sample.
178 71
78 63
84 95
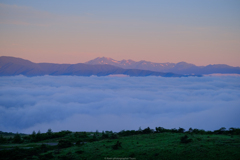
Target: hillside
142 144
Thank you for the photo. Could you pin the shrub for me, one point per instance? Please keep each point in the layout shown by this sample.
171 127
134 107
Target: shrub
81 135
43 147
65 157
185 139
117 145
64 144
114 136
46 156
79 152
104 135
199 139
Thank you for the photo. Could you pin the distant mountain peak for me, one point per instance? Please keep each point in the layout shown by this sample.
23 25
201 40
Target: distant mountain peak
12 65
102 60
180 67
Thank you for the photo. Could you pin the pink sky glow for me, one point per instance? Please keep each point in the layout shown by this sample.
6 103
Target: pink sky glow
47 35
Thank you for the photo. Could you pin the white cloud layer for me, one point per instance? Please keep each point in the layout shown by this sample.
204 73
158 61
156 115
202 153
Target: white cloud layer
117 103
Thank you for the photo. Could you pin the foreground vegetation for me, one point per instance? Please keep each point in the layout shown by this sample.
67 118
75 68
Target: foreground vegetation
160 143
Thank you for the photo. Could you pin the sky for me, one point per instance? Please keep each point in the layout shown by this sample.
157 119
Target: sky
201 32
78 103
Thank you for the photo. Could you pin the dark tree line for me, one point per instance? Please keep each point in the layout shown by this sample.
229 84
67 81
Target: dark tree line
82 137
34 137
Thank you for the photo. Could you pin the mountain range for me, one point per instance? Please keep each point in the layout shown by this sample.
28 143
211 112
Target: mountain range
10 66
178 68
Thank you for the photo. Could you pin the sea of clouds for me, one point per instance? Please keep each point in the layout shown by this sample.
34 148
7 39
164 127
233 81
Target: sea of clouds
118 103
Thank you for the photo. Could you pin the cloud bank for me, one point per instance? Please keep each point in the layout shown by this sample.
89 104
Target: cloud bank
117 103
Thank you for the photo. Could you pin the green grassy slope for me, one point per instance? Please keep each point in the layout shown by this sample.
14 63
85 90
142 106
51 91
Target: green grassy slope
160 146
141 146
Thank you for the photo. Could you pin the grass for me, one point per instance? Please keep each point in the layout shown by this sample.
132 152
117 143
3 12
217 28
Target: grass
164 146
146 146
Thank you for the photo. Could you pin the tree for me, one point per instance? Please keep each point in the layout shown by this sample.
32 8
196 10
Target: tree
38 136
97 133
190 130
2 139
17 138
181 130
160 129
223 129
174 130
196 131
147 131
49 132
220 131
140 130
94 137
33 134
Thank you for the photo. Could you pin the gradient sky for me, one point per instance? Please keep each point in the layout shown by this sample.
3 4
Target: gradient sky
201 32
